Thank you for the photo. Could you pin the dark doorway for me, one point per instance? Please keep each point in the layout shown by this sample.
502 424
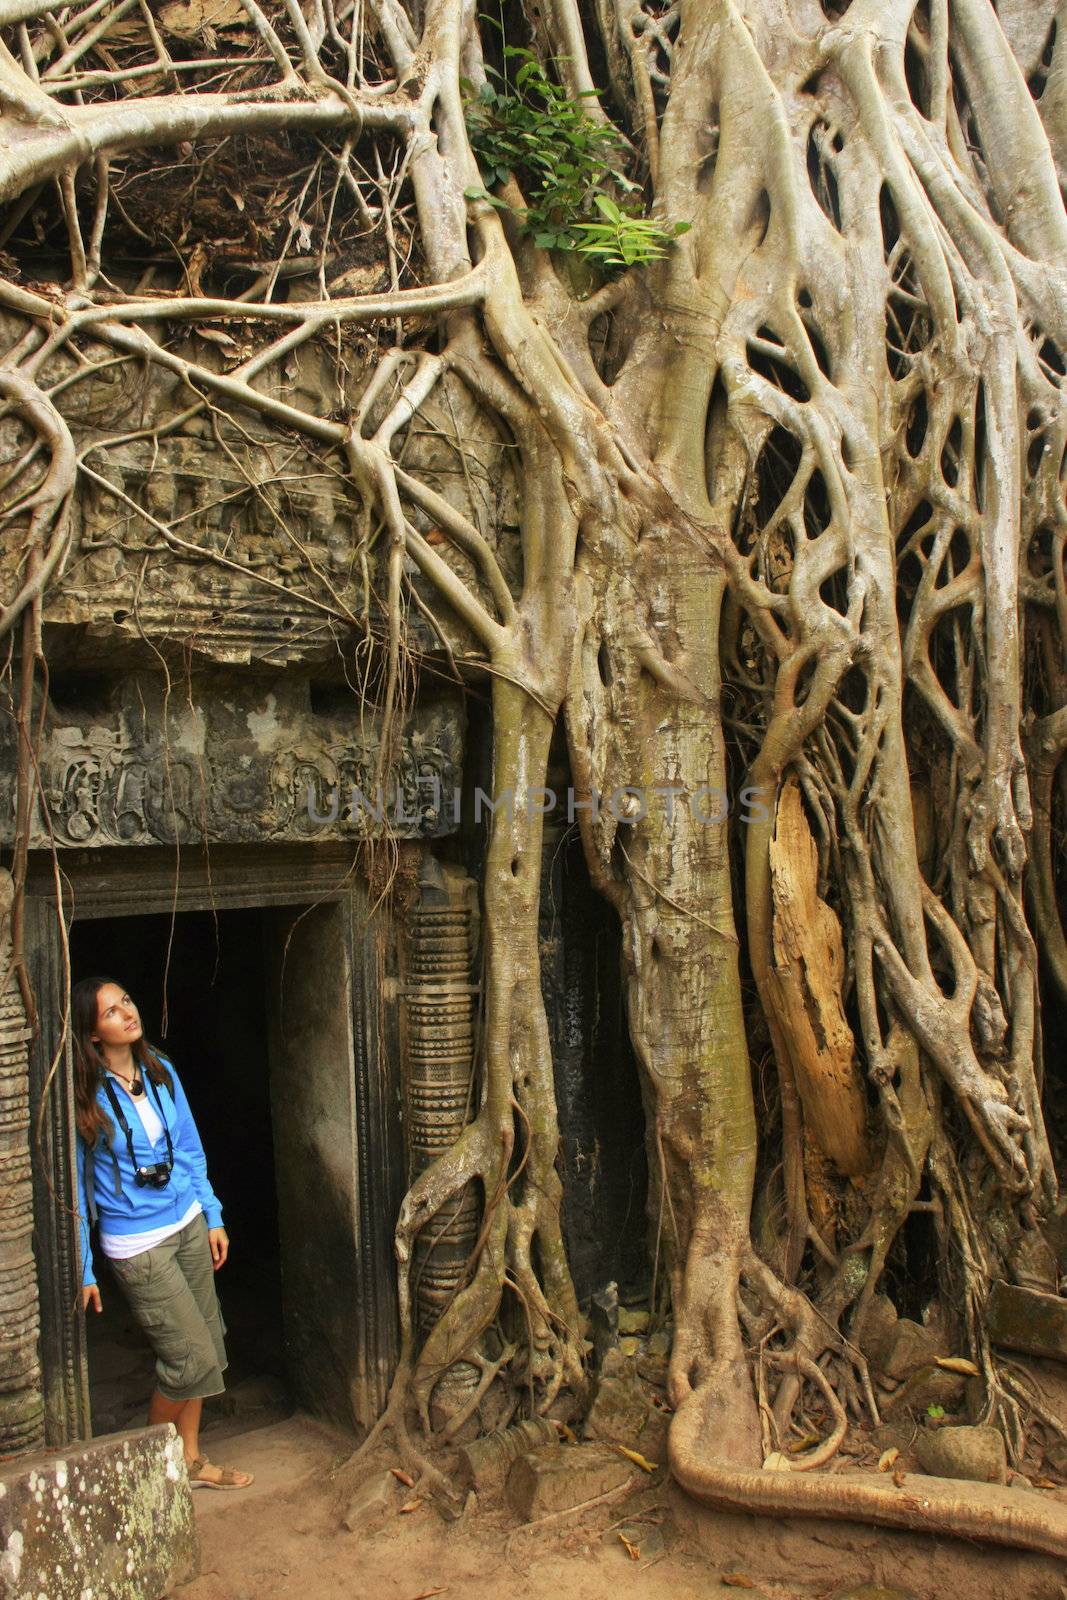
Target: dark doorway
199 980
598 1092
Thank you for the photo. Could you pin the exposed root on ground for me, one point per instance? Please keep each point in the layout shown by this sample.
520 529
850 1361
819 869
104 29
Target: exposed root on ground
981 1513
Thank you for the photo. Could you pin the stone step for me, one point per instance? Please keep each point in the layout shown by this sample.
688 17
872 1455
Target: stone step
561 1476
114 1517
1027 1320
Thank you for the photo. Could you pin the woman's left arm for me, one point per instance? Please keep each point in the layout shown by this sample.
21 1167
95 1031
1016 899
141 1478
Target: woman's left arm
188 1140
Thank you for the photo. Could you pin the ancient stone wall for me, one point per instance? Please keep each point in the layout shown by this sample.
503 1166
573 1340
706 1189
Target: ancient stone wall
21 1405
229 540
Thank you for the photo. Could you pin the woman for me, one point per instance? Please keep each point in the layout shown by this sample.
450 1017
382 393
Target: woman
141 1170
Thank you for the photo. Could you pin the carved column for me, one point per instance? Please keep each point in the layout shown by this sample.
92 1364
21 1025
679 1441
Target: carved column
21 1401
438 1015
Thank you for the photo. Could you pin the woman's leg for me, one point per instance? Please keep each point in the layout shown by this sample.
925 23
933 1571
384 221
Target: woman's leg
182 1322
185 1415
193 1259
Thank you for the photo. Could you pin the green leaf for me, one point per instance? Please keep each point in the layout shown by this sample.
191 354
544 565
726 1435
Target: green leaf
605 204
568 166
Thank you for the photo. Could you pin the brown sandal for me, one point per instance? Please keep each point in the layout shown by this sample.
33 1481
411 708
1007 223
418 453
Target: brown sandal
227 1476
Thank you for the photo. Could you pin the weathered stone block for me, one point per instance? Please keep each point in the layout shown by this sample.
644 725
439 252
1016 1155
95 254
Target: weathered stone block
976 1454
1033 1262
910 1347
1027 1320
634 1320
562 1476
110 1520
486 1462
929 1386
876 1337
604 1320
372 1503
653 1369
620 1410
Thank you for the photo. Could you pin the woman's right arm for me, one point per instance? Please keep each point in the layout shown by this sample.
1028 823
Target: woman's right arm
90 1292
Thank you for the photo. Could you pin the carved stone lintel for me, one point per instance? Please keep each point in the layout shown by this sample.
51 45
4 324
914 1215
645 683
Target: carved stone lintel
239 762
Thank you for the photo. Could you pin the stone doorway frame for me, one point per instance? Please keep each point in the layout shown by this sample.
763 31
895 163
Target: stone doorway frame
147 881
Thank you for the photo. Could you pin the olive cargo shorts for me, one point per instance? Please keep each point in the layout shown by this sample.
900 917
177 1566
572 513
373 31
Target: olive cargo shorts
171 1291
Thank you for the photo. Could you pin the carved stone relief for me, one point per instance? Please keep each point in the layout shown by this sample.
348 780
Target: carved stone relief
244 544
230 561
237 761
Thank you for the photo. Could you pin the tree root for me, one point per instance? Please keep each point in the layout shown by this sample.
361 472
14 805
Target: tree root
819 1454
980 1512
393 1423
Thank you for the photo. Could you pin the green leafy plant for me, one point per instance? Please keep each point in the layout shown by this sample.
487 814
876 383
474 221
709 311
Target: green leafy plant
525 124
935 1413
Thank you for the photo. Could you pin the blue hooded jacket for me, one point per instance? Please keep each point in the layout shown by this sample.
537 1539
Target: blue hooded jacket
135 1210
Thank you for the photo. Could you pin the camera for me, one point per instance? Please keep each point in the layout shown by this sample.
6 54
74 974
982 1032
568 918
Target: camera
157 1176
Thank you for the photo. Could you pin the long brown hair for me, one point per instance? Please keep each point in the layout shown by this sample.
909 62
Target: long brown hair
90 1064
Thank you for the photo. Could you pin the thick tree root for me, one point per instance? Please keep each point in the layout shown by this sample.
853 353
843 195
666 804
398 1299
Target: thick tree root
981 1512
393 1424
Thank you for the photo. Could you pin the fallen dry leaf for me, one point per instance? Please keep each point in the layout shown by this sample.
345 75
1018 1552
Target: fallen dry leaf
1044 1483
886 1459
632 1550
426 1594
637 1458
736 1580
777 1462
411 1505
958 1364
217 336
403 1477
898 1476
804 1443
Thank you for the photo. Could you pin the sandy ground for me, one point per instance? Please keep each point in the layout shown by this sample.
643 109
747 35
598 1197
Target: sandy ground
283 1539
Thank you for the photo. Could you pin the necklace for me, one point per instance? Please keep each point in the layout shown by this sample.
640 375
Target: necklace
134 1085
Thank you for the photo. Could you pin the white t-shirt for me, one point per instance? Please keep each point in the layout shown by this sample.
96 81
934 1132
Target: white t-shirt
120 1246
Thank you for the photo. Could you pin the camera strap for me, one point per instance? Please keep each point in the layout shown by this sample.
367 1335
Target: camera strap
90 1185
124 1125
